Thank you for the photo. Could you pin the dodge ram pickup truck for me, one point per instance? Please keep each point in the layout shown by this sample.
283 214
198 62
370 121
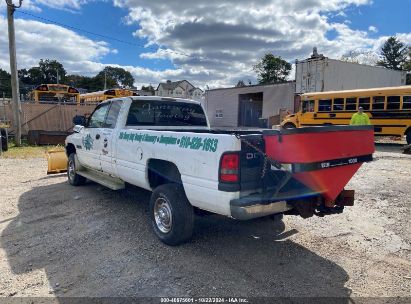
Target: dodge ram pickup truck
167 146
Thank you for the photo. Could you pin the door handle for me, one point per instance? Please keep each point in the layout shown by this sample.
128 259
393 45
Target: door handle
97 136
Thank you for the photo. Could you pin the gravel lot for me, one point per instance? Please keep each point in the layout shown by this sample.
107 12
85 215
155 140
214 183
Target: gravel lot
59 240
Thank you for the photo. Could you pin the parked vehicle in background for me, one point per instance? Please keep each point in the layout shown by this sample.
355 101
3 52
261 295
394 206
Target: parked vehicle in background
167 146
389 110
54 93
99 96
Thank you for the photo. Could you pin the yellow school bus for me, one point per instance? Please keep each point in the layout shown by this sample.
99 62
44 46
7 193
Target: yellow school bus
55 93
389 109
97 97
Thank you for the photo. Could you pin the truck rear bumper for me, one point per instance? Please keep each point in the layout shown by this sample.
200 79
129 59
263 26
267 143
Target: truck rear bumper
245 209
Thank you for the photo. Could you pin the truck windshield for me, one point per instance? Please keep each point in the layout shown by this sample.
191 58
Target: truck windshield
165 113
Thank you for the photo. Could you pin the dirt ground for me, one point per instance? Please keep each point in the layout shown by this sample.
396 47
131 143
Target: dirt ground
58 240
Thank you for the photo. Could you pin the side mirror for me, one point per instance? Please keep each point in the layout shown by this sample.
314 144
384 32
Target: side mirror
79 120
77 128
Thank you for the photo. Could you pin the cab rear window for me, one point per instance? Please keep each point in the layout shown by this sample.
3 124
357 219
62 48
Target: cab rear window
165 113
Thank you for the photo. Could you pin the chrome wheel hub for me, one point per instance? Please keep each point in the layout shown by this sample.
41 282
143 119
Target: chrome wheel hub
162 215
71 170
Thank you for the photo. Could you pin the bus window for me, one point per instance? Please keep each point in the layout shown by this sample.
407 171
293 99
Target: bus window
338 104
378 102
308 106
406 103
324 105
393 102
364 102
351 104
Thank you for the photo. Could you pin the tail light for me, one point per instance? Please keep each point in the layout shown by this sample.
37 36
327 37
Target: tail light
230 168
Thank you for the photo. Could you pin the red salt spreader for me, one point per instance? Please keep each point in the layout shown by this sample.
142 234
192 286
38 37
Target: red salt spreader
319 161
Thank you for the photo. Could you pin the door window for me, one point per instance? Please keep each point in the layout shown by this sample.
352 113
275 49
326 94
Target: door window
113 114
99 116
308 106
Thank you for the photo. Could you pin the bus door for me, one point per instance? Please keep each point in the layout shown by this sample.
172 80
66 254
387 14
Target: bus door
307 113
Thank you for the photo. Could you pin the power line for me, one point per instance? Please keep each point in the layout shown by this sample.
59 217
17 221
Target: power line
107 37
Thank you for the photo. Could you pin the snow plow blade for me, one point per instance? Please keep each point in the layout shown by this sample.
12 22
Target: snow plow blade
56 160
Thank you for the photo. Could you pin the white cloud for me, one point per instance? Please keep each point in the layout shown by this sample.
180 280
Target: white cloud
36 40
211 42
372 29
226 40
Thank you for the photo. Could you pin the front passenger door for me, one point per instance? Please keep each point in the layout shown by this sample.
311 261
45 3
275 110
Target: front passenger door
92 141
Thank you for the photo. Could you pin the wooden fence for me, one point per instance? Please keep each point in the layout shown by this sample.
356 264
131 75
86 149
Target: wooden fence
47 117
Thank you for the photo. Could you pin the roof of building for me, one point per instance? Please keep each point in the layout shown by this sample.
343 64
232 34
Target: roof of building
254 85
170 85
402 89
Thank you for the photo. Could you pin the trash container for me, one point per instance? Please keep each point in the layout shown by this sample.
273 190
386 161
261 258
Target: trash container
4 146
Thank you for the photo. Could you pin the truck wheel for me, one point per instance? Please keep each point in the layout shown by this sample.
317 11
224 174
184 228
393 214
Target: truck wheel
289 125
73 178
4 140
172 215
408 137
277 217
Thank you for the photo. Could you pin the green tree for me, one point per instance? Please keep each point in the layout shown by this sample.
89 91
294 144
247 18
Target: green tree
148 89
394 54
5 84
45 72
240 84
84 82
116 77
407 65
272 69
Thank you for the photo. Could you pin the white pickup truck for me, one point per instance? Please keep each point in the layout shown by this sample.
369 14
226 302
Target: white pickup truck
166 145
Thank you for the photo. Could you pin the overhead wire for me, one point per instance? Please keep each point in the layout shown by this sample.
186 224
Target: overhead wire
77 29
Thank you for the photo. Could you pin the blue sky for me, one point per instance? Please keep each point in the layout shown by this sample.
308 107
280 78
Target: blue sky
105 19
223 40
389 17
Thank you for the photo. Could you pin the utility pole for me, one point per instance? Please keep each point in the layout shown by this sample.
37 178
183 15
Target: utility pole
57 76
13 70
105 80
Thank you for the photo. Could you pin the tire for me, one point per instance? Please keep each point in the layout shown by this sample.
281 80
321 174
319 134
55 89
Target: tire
408 137
73 178
289 125
171 214
277 217
4 140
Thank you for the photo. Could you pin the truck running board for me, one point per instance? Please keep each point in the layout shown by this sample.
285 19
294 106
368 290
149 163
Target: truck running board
103 179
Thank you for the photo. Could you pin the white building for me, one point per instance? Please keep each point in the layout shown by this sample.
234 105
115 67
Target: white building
179 89
250 106
321 74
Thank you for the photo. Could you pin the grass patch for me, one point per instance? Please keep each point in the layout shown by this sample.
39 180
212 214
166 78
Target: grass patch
26 151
